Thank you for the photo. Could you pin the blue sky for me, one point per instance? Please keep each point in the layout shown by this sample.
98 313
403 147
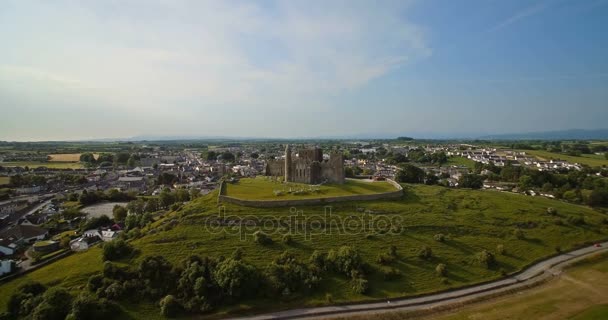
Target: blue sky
116 69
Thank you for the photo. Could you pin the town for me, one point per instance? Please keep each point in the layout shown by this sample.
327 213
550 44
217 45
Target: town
60 202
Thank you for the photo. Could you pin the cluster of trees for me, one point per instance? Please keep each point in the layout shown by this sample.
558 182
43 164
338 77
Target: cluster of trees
110 159
196 285
226 156
35 301
91 197
578 186
27 180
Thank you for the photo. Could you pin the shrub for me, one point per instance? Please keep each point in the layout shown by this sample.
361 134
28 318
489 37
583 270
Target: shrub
390 273
287 239
385 258
346 260
425 253
359 285
552 211
440 269
236 278
486 258
439 237
318 260
169 306
518 234
262 238
500 249
576 220
392 251
115 250
329 298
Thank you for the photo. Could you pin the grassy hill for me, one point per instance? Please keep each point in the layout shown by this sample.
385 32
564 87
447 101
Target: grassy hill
471 221
264 188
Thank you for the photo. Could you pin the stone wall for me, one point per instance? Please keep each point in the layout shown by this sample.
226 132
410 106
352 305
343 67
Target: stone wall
315 201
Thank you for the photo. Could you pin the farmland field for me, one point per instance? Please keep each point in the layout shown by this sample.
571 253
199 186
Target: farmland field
50 165
461 161
263 188
471 221
588 159
4 180
67 157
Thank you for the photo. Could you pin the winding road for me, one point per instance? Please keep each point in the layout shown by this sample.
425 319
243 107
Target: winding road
534 274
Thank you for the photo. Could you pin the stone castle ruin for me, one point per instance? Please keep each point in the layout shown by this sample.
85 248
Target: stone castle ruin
308 167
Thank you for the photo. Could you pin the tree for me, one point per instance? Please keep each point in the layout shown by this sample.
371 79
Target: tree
166 198
227 156
470 180
56 303
410 174
115 250
119 213
87 158
255 155
169 306
236 278
525 182
211 155
486 258
89 307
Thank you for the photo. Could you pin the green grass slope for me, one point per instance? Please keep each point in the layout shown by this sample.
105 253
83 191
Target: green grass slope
471 221
263 188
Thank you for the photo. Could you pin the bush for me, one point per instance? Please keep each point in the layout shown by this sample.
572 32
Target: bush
287 239
576 220
500 249
329 298
359 285
390 274
440 269
236 278
425 253
169 306
439 237
552 211
385 258
262 238
486 258
518 234
346 260
115 250
318 260
88 307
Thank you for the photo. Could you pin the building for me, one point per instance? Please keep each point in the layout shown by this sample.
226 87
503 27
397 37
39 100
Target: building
308 167
22 234
6 266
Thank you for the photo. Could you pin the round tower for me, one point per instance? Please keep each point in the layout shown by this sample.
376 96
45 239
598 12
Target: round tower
288 164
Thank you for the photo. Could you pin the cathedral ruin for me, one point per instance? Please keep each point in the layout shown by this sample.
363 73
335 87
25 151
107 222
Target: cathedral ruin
308 167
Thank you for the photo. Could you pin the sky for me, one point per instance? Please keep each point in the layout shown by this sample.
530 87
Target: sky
72 70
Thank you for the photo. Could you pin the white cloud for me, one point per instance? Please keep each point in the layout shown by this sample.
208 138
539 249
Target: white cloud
152 55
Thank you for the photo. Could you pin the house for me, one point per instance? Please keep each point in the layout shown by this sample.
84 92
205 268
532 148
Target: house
22 234
109 235
132 183
7 247
83 243
6 266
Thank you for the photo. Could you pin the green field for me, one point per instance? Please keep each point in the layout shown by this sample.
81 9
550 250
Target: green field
460 161
5 180
471 221
50 165
591 160
580 293
263 188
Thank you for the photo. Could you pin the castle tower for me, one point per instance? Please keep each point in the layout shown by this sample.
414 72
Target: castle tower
288 164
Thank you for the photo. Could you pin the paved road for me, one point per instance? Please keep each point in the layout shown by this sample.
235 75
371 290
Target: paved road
534 274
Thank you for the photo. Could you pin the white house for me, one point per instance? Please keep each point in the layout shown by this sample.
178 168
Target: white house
6 266
7 247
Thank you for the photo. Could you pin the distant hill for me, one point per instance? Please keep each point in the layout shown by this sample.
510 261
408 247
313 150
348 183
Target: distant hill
572 134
